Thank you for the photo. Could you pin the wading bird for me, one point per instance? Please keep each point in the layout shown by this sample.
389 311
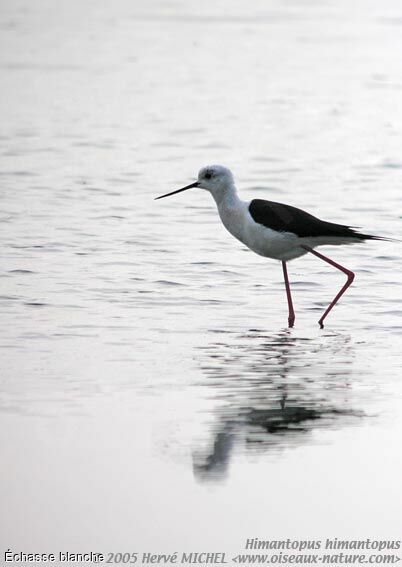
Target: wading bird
275 230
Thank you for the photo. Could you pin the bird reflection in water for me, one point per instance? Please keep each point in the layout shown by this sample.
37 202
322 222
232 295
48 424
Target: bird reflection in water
272 392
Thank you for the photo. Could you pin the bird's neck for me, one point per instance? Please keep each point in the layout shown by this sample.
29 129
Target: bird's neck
228 198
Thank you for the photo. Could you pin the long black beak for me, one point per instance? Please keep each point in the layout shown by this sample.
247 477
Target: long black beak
178 190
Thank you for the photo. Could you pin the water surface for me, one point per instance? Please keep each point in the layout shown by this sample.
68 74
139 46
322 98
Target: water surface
152 397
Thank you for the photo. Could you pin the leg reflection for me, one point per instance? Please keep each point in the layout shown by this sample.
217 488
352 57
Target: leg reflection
271 392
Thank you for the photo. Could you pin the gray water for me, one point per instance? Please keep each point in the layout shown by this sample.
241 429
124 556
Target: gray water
152 397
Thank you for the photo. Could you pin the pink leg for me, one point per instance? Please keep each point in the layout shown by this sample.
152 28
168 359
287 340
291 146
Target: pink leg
291 316
350 279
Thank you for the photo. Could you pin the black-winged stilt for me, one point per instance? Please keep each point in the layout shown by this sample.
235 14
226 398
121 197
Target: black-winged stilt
275 230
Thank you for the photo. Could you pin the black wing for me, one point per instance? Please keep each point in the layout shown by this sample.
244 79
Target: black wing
285 218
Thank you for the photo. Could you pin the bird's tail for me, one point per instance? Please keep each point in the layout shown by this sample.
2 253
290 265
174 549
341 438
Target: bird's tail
362 236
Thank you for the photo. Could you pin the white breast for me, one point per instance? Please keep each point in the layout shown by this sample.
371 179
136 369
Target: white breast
233 217
261 240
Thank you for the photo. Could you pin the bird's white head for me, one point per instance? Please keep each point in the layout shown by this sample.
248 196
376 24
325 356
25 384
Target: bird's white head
217 179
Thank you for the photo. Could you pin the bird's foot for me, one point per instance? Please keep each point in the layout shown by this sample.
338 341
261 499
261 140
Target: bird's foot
321 324
291 321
